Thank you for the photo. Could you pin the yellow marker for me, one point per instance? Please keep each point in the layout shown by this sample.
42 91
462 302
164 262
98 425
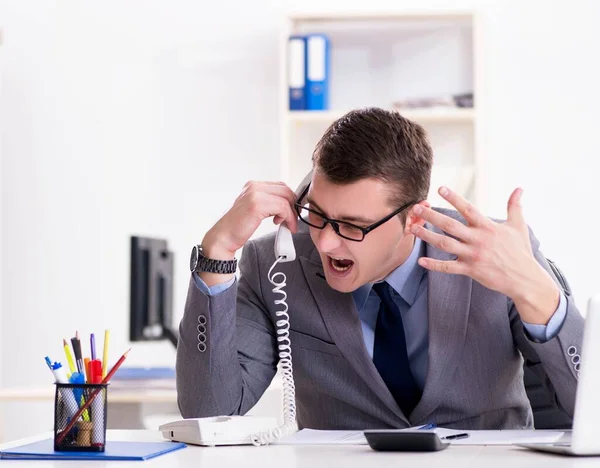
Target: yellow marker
69 356
105 355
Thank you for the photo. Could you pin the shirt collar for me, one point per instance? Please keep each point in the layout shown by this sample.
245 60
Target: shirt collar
405 279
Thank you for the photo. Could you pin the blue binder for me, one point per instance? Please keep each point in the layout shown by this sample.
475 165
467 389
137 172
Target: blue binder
317 72
297 72
44 450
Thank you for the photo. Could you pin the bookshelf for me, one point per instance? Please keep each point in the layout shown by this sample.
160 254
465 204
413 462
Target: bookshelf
422 116
380 58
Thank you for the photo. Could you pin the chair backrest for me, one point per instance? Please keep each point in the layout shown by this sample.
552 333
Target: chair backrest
546 413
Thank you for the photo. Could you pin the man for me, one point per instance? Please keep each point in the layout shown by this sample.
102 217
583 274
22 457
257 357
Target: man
400 314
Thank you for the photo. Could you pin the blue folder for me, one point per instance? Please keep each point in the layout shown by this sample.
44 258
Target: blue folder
297 72
144 373
317 72
44 450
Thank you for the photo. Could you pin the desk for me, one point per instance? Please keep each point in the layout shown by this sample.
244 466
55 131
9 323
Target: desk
349 456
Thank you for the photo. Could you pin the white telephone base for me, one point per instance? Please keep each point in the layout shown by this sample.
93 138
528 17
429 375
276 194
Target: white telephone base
219 430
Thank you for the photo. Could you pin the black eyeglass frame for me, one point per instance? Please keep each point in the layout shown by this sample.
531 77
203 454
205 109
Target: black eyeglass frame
335 223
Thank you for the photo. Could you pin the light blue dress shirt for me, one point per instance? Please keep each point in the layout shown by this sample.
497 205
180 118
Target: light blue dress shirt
409 284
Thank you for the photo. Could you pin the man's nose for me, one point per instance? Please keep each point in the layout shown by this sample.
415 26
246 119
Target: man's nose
328 239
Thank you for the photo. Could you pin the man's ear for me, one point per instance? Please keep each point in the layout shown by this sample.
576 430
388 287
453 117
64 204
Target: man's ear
412 219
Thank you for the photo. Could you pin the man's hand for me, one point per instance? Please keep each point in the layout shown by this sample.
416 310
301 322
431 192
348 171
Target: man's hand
497 255
257 201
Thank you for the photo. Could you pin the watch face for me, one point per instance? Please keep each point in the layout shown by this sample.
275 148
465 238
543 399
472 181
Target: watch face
194 259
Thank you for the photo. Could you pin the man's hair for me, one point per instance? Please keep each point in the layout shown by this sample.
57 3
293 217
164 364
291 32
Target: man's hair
380 144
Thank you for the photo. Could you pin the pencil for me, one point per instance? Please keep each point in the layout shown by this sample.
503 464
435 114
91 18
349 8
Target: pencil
115 368
105 355
69 356
77 350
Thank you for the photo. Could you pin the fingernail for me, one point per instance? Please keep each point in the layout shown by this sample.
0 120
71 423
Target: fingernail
417 209
443 191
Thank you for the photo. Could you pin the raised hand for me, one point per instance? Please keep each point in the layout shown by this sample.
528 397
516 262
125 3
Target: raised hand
497 255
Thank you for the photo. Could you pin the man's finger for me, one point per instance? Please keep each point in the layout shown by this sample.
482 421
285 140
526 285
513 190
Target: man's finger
275 188
453 267
445 243
445 223
464 207
514 208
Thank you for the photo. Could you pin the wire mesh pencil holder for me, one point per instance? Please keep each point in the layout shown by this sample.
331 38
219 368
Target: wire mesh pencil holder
80 417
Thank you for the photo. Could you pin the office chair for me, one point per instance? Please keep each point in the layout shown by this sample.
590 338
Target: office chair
546 413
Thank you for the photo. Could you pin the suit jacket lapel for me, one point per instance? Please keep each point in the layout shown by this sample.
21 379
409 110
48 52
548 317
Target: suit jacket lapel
343 324
448 302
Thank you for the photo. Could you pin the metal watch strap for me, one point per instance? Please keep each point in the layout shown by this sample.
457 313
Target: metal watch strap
211 265
217 266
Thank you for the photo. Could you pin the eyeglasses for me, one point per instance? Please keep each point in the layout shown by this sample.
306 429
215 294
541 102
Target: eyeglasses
342 228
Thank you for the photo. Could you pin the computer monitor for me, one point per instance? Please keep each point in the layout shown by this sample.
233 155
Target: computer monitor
151 291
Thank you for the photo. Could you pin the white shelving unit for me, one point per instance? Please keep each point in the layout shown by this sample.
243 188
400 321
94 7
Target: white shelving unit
378 58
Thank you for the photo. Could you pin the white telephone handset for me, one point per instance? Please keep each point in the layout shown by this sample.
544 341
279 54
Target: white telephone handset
284 246
243 430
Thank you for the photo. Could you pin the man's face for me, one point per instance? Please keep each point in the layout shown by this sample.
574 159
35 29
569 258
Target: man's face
347 264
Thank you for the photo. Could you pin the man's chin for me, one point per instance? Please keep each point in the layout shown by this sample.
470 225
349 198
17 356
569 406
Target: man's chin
344 285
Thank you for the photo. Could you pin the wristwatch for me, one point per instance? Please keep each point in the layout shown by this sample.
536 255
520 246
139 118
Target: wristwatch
199 263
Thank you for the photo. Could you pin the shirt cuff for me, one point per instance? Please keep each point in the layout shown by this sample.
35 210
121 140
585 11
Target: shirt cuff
213 290
543 333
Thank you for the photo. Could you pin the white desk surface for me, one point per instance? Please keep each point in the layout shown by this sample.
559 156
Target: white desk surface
116 395
346 456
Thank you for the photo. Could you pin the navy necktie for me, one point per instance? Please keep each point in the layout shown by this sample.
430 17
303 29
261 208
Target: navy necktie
389 352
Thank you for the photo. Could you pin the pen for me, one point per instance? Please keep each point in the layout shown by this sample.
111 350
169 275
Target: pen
428 427
114 369
462 435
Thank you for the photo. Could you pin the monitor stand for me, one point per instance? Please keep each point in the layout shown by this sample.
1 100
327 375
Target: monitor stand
171 335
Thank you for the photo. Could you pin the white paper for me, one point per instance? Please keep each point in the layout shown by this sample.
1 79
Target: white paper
502 437
316 437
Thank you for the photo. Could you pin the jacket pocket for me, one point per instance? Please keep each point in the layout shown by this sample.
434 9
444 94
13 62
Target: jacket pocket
311 343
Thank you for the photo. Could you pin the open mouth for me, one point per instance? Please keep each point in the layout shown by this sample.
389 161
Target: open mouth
340 265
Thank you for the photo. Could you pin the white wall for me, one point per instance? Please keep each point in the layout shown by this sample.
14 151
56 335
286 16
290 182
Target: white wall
127 117
1 191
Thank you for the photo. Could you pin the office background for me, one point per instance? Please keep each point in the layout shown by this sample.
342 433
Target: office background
126 117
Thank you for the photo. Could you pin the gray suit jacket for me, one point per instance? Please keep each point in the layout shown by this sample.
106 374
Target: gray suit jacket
476 348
